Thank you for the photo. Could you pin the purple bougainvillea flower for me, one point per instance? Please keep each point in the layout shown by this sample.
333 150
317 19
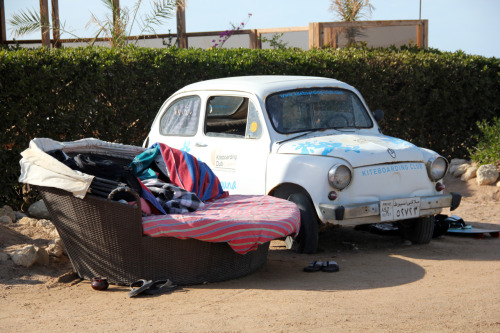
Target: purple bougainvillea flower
224 36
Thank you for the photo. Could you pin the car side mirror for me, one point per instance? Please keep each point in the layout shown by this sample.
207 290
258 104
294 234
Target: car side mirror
378 115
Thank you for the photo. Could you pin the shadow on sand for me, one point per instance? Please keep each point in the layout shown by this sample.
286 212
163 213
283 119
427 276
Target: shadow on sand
366 260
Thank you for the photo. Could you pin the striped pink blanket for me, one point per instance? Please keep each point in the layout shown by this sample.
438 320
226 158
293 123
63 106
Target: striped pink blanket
243 221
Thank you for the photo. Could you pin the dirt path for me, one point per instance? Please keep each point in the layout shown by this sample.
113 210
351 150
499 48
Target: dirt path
451 284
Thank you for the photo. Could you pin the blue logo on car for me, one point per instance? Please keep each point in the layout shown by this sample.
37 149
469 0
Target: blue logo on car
324 148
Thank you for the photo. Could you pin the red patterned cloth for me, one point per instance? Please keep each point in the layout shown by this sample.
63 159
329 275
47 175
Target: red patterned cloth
191 174
242 221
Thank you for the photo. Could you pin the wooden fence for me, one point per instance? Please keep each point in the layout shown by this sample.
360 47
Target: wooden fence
3 31
323 34
319 34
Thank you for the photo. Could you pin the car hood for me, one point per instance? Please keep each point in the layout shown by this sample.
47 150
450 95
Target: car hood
359 150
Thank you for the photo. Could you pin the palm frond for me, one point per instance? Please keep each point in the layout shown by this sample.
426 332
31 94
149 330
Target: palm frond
110 5
25 22
161 11
351 10
134 11
102 27
113 27
94 20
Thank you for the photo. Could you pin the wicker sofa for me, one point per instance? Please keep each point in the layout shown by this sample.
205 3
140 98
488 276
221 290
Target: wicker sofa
105 238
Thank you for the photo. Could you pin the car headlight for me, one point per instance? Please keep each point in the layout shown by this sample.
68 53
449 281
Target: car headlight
437 167
339 176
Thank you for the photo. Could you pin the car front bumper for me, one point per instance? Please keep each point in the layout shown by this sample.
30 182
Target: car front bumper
369 212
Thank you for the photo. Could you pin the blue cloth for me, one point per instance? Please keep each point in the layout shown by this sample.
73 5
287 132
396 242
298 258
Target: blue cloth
141 164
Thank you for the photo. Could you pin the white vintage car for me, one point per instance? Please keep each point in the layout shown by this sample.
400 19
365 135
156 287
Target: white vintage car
310 140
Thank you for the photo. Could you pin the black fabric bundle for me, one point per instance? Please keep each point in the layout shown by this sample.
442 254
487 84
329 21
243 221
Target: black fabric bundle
109 175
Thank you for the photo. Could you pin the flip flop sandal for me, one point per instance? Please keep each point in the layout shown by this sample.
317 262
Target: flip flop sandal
160 287
330 267
138 287
313 266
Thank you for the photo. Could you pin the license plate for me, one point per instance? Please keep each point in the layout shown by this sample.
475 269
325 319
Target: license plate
399 209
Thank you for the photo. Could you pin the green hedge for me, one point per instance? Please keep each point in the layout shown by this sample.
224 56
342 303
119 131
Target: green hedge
430 98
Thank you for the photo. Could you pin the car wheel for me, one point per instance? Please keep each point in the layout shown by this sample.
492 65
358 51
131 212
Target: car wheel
307 240
418 231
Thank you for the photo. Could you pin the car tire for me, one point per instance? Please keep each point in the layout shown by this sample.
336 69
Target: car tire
307 240
418 231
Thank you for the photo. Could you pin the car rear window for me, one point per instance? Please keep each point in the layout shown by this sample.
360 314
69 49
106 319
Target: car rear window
181 117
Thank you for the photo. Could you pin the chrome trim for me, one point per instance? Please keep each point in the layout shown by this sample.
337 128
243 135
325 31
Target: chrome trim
359 212
333 170
429 164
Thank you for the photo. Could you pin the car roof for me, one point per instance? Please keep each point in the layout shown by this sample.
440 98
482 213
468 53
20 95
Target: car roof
263 85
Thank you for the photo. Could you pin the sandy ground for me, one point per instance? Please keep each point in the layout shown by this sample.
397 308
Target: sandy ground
450 285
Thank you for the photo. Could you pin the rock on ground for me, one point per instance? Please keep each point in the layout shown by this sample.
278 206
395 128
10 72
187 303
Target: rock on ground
25 256
455 163
55 249
39 210
460 169
470 173
42 256
8 211
487 174
5 219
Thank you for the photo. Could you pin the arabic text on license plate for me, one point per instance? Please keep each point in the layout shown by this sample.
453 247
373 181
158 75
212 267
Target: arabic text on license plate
399 209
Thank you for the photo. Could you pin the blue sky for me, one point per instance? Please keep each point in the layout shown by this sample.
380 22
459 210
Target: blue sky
472 26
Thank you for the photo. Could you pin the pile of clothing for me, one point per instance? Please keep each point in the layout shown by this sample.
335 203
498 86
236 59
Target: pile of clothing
168 180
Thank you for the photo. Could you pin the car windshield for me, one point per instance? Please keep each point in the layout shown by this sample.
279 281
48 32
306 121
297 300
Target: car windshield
301 110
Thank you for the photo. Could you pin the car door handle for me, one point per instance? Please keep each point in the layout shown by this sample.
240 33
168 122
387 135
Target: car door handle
200 144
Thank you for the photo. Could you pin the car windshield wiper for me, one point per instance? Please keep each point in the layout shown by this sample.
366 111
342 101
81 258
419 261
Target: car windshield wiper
315 130
304 134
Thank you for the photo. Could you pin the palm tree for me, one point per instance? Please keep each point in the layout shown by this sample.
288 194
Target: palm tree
351 11
115 27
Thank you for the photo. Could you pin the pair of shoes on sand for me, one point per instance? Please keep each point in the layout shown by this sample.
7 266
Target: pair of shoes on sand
148 287
325 266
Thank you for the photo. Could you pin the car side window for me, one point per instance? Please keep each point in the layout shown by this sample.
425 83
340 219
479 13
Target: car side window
181 117
254 129
232 116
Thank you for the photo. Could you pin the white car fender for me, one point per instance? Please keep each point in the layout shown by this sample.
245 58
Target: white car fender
297 169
